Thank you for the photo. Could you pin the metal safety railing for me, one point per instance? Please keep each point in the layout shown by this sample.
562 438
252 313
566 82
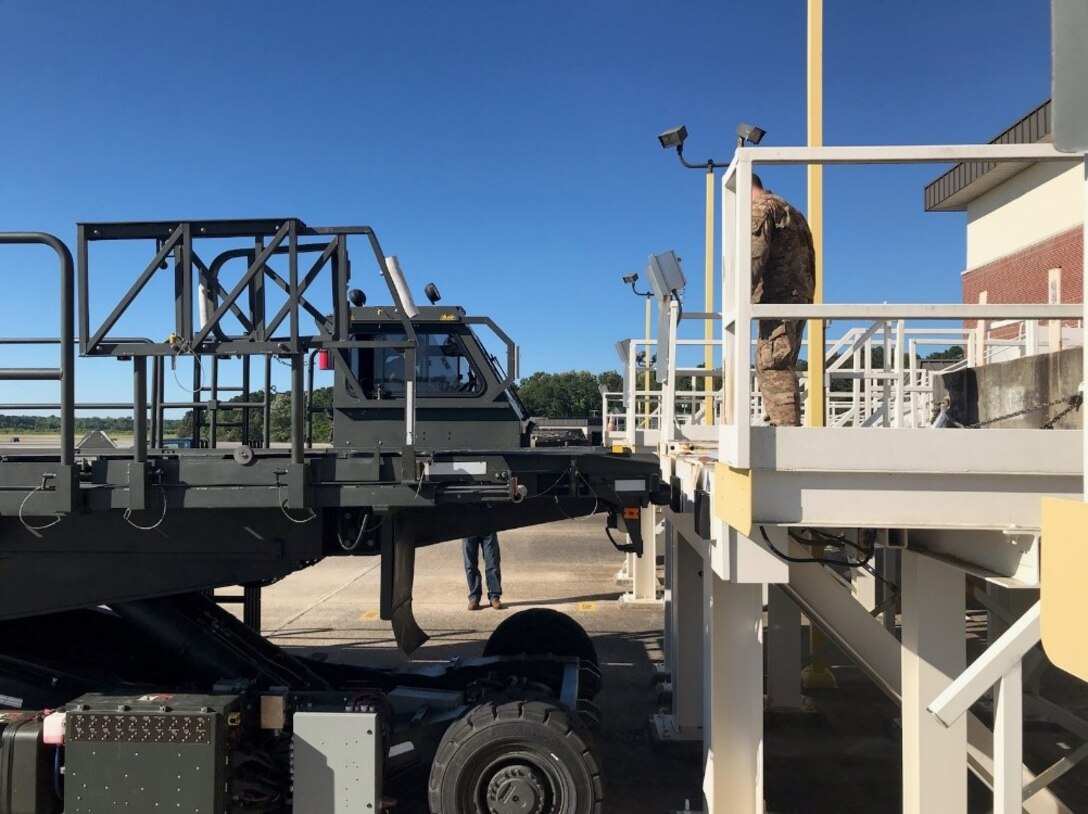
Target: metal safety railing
271 329
65 372
875 376
258 325
739 315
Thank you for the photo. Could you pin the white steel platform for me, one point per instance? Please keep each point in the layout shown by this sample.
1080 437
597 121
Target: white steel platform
945 503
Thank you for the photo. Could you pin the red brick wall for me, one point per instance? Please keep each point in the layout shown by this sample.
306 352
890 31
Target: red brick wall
1022 277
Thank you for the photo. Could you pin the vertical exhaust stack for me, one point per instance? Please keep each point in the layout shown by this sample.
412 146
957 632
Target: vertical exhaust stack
400 285
408 306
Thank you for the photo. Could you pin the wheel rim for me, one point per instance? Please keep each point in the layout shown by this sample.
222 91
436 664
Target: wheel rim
512 771
516 789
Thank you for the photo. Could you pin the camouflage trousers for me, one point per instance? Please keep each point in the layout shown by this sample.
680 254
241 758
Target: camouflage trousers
777 349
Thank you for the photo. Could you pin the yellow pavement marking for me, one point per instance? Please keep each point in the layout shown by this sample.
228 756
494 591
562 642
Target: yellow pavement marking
368 616
587 607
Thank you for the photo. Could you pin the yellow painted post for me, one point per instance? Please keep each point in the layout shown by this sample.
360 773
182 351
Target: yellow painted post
708 325
816 208
817 675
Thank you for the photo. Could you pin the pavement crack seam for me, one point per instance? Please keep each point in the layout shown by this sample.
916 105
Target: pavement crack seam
324 599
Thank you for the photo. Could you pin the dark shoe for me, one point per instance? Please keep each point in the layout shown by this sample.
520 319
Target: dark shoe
496 603
474 604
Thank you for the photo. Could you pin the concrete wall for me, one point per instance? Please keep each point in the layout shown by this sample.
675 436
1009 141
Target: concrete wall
985 393
1043 200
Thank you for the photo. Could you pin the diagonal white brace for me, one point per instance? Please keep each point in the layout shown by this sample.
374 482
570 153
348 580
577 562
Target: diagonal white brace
999 658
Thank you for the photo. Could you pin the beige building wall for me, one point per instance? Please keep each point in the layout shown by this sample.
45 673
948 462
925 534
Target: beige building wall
1043 200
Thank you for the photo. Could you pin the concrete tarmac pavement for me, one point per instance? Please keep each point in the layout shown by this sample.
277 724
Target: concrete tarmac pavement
570 566
567 566
841 759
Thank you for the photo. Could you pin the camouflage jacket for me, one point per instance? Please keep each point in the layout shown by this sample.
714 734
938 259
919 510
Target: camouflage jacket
783 258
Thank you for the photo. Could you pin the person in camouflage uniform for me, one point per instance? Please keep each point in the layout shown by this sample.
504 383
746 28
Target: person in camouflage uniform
784 272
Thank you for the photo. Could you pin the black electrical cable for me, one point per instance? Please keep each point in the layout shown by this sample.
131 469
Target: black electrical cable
817 560
786 557
840 543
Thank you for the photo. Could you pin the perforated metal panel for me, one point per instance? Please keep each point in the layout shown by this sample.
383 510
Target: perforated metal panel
337 762
148 753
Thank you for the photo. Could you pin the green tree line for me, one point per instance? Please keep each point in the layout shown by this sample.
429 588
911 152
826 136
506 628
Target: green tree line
48 424
229 420
572 394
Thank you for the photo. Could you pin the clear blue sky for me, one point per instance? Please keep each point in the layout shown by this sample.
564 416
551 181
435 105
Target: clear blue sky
505 150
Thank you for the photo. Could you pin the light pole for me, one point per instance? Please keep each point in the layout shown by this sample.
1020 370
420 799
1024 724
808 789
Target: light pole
631 279
675 138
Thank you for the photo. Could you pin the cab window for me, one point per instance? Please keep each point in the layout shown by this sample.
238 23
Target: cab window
443 367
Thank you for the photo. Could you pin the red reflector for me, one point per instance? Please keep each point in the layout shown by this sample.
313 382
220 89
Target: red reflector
632 514
323 362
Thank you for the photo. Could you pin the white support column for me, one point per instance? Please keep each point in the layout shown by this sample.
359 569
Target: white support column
733 688
1009 743
669 542
933 654
1031 338
783 651
687 640
916 420
644 576
1054 296
900 333
885 383
981 327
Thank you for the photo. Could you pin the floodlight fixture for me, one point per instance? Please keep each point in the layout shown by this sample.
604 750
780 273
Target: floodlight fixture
431 292
674 138
357 298
749 133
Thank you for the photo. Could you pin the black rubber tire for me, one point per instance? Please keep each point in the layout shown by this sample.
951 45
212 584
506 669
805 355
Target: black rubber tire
493 741
539 631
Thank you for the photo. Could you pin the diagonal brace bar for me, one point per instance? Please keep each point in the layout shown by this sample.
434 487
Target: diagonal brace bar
240 286
137 287
311 275
212 280
1005 653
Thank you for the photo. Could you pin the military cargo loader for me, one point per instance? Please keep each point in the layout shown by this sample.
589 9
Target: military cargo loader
128 688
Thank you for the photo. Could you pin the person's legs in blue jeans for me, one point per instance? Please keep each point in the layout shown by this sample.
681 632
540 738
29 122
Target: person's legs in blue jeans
470 547
492 565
